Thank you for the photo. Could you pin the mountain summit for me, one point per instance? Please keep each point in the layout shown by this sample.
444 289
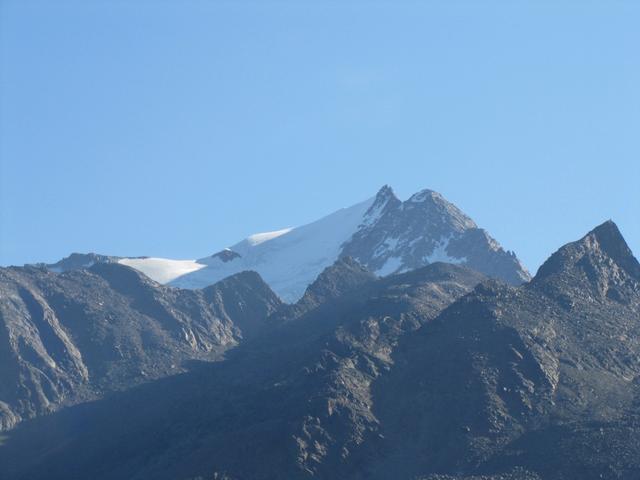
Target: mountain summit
398 236
383 234
598 265
604 243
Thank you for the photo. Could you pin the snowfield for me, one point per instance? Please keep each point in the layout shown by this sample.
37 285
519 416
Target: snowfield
162 270
288 260
258 238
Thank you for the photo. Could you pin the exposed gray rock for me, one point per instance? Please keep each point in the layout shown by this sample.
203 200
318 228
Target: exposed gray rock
226 255
72 337
297 398
436 373
542 377
399 236
78 261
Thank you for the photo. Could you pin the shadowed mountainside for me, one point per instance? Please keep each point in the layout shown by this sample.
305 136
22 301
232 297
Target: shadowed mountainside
70 337
436 374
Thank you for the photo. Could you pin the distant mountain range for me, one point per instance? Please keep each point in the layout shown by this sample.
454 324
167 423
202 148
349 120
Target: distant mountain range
383 234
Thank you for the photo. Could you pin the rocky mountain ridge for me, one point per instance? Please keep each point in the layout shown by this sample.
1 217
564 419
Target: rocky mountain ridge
436 373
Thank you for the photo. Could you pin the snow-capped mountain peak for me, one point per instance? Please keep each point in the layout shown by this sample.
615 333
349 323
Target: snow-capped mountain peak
424 229
382 233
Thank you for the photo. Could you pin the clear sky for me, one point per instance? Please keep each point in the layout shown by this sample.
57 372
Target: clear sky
175 128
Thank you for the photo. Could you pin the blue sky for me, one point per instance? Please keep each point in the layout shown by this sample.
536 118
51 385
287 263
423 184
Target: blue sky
177 128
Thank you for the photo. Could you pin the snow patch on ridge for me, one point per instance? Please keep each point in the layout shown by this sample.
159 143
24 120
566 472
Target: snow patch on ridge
387 245
440 254
421 196
391 265
162 270
258 238
371 217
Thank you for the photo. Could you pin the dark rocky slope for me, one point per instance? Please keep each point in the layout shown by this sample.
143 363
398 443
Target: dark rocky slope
292 403
388 378
70 337
544 377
